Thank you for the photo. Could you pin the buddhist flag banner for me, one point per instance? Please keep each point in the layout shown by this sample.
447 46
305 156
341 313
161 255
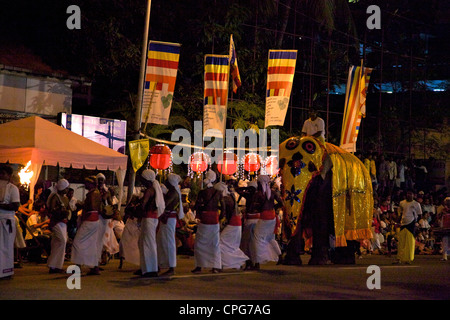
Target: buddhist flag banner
355 106
160 77
280 75
139 150
217 70
235 76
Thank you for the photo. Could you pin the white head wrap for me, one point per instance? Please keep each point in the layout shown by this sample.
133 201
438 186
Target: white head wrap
62 184
174 181
164 188
100 176
264 181
150 175
210 178
222 187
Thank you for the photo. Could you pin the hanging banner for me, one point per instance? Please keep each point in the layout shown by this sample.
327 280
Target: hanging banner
139 150
235 76
280 75
215 95
160 78
355 106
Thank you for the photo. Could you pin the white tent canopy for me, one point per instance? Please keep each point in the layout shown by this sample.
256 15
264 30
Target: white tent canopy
45 143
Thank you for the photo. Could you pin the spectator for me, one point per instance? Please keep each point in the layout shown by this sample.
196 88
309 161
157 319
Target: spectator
409 211
37 228
392 175
383 176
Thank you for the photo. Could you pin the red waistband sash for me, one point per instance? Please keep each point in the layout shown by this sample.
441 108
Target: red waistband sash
252 216
268 215
151 214
209 217
90 216
166 215
235 221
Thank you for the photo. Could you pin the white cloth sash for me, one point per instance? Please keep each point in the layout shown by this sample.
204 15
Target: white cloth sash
167 248
84 247
264 246
58 246
207 246
232 256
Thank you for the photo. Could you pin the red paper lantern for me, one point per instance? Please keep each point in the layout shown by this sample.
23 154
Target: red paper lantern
228 164
199 162
252 162
271 165
160 157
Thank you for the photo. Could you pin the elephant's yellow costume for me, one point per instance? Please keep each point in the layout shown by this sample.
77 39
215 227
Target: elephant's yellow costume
301 160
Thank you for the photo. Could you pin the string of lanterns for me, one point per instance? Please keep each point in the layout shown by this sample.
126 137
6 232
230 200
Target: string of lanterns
161 159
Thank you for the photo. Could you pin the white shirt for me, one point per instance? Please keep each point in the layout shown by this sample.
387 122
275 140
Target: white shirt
310 127
9 193
409 211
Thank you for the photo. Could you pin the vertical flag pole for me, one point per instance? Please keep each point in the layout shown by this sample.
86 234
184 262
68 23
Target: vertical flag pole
138 111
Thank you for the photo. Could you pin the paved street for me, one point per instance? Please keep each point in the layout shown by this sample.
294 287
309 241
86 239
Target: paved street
426 279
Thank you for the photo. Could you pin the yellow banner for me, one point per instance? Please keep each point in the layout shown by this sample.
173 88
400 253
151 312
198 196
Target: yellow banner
139 150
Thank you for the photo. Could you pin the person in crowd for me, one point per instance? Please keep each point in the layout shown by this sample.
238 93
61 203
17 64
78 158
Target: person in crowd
59 210
423 221
129 243
443 221
152 205
165 238
104 218
400 181
314 126
85 245
9 204
207 239
392 175
251 216
265 247
75 206
409 210
383 176
230 237
378 238
38 232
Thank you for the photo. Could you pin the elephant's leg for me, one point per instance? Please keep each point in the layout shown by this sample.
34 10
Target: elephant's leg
346 255
321 242
322 221
294 250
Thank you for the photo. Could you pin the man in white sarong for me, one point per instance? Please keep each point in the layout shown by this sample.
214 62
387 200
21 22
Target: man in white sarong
167 247
9 203
207 237
103 238
153 207
265 247
230 237
247 191
84 247
58 207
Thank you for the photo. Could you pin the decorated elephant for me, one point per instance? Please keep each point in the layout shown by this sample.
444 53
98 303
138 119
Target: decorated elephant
328 201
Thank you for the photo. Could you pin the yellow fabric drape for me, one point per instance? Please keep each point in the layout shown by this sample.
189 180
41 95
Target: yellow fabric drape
351 187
